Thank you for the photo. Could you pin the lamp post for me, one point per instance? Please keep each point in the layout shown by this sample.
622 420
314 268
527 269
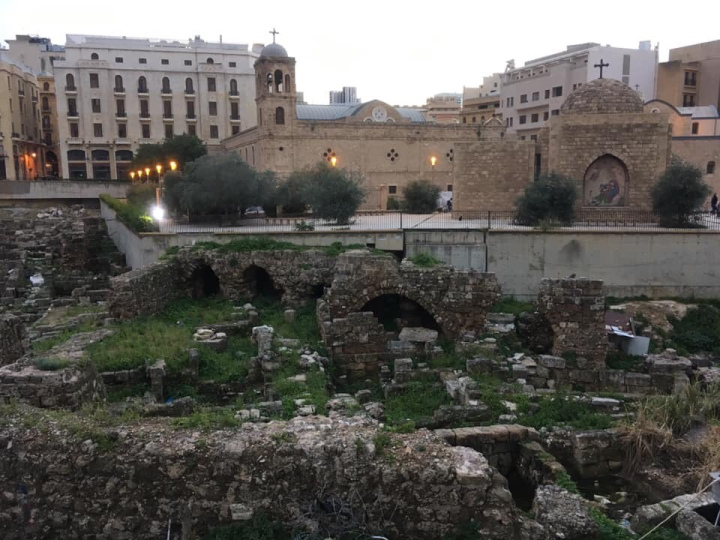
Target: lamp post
140 173
132 176
173 165
333 160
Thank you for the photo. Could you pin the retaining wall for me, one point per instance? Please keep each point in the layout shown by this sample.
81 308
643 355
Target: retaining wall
75 190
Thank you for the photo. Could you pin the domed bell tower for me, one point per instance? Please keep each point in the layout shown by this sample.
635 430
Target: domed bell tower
275 88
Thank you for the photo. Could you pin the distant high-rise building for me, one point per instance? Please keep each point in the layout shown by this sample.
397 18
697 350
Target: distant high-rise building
347 95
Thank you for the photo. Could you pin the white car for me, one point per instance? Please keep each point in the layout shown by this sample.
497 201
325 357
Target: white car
255 211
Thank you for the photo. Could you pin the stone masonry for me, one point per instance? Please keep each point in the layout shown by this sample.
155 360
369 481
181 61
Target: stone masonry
13 338
156 479
576 310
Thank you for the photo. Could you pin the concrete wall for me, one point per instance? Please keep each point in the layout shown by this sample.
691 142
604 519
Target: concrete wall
144 249
66 190
630 263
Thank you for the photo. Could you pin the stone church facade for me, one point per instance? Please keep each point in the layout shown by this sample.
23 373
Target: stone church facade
602 138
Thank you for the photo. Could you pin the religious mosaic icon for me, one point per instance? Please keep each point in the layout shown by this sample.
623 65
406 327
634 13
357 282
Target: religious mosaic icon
606 182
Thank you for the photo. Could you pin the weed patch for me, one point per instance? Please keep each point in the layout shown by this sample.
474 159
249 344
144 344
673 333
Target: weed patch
424 260
417 403
561 410
208 419
510 305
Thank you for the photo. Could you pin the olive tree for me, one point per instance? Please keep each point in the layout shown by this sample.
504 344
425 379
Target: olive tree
420 197
333 194
550 198
679 194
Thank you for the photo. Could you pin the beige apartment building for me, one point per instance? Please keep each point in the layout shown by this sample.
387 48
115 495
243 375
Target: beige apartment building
22 154
114 94
443 108
691 76
482 103
533 93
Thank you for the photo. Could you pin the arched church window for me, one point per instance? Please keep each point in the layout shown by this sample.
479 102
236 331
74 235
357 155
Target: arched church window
94 56
278 81
210 61
269 83
279 116
710 167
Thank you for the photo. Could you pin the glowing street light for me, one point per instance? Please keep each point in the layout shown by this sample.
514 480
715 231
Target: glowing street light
158 168
147 172
132 175
140 173
34 155
333 160
157 212
173 165
433 161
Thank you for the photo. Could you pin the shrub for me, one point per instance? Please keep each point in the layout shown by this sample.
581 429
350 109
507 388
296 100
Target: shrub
679 194
134 217
141 195
511 305
291 195
424 260
420 197
304 226
393 204
550 199
333 194
698 330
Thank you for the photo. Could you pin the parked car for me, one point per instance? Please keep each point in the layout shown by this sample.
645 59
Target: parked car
255 212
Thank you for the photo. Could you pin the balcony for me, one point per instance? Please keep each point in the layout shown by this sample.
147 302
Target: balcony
191 118
167 117
119 91
143 91
145 115
189 92
234 94
74 140
235 118
71 89
121 114
166 92
73 114
46 109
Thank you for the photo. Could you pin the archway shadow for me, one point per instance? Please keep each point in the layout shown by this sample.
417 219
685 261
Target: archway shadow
260 284
396 312
204 282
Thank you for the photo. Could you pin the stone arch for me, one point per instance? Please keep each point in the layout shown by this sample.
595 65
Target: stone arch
397 311
370 294
259 282
606 182
204 282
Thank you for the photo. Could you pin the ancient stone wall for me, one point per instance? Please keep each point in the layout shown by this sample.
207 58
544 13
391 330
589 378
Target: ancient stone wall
144 291
576 310
153 479
13 339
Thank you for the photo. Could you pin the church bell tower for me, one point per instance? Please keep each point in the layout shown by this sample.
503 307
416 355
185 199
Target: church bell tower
275 88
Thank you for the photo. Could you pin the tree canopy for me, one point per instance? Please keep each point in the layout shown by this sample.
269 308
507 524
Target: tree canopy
179 148
679 194
550 198
420 197
333 194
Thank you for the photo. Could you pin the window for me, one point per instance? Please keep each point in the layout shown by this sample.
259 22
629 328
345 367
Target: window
690 78
536 96
392 190
626 65
464 119
234 111
213 108
449 188
546 115
95 103
97 130
72 107
45 104
523 119
167 109
166 85
688 100
557 91
534 118
118 60
190 109
210 61
144 112
46 87
123 155
233 87
94 56
168 131
523 98
710 167
76 155
94 80
74 132
143 60
695 128
119 84
142 85
214 132
164 61
280 116
235 130
533 138
574 86
189 86
555 112
145 131
100 155
211 84
122 131
474 119
547 94
69 82
233 64
188 62
191 129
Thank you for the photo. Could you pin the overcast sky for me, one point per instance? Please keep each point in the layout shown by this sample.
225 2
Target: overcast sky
399 52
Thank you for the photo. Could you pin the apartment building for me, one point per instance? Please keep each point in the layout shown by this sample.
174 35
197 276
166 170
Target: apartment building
114 94
22 153
482 103
347 95
533 93
40 55
691 76
443 108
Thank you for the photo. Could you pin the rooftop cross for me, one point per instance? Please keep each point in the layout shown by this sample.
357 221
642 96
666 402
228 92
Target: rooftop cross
275 32
601 65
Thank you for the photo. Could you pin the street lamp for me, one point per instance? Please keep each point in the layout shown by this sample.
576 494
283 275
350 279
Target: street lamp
34 155
132 175
140 173
158 168
433 161
333 160
173 165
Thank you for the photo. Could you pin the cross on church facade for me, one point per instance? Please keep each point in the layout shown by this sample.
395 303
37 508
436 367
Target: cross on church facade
275 32
601 65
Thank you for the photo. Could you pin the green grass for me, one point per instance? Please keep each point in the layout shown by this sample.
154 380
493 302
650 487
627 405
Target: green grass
304 327
424 260
619 360
313 391
560 410
265 243
208 419
510 305
416 404
170 253
116 394
52 364
564 481
133 216
609 530
699 330
260 527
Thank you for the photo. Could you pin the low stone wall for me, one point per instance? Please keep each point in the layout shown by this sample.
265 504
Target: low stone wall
576 310
145 291
156 480
13 339
589 454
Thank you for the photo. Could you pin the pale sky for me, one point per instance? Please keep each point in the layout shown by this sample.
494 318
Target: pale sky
401 52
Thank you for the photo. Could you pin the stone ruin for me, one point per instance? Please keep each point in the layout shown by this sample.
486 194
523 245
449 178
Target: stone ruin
13 338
